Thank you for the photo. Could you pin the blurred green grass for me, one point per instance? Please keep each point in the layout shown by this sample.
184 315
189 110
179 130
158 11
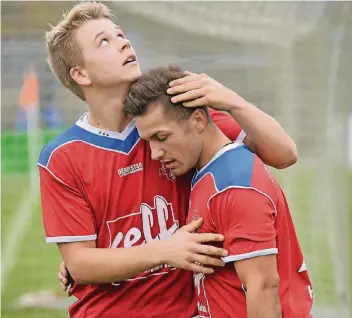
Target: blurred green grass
37 263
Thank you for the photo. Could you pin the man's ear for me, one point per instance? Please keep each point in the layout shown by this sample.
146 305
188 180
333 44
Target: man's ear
199 119
80 76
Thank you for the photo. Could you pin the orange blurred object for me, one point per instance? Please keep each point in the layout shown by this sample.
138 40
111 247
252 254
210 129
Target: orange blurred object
29 96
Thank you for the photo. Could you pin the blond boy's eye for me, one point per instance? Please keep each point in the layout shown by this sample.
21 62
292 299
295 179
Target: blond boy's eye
104 42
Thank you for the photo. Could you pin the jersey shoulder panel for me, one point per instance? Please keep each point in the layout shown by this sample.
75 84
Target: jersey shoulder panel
69 135
78 134
231 167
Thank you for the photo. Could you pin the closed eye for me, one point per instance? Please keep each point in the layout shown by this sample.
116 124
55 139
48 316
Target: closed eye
161 138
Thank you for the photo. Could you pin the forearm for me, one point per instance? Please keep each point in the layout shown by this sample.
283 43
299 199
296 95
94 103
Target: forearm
265 136
102 265
263 303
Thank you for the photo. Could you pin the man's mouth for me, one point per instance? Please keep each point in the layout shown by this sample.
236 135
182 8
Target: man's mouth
169 164
130 59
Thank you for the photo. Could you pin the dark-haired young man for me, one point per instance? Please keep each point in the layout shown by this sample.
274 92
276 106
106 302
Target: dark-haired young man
235 194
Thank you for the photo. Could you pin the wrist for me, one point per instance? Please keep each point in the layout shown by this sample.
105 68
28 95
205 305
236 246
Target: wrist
159 251
235 103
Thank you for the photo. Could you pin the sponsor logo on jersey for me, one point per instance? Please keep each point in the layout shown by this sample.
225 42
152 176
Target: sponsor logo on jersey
149 223
130 169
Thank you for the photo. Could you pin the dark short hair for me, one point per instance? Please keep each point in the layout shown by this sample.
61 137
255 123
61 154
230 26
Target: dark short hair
151 87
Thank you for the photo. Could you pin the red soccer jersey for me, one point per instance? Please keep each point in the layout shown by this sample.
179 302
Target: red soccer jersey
238 197
104 186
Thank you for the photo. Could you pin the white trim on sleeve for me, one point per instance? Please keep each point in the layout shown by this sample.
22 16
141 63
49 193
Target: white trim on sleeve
69 239
241 137
303 267
240 257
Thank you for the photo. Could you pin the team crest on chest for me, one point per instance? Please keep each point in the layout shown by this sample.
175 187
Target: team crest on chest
166 172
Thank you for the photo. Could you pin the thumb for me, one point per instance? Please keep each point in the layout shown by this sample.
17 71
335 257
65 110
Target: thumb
63 269
189 73
192 226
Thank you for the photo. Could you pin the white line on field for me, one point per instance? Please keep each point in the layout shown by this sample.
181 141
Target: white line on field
17 229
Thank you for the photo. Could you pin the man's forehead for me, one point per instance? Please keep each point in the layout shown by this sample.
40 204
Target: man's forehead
149 125
95 27
107 28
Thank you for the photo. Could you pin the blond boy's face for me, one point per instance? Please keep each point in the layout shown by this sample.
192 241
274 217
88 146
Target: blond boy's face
109 58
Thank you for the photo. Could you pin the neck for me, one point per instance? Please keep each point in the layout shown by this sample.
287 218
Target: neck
105 108
213 141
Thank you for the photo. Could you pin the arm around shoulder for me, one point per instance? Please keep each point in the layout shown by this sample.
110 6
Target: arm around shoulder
265 136
88 264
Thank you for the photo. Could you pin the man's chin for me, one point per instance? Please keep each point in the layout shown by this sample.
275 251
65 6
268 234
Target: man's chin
136 74
132 76
178 172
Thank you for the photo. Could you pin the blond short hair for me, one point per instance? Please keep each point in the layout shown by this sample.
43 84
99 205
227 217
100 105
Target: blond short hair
63 50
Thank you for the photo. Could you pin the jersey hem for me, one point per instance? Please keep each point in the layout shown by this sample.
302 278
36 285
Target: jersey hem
239 257
69 239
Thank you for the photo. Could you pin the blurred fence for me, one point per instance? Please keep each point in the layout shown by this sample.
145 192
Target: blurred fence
291 59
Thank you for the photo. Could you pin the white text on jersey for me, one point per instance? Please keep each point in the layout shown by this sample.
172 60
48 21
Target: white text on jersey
154 223
130 169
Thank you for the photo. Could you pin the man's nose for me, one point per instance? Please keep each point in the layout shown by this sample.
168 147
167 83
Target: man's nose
125 44
157 152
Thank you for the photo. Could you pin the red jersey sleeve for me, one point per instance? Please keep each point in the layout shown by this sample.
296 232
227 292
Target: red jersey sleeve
66 214
246 218
227 125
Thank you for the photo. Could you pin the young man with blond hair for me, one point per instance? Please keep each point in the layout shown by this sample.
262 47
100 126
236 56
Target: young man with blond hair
115 213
